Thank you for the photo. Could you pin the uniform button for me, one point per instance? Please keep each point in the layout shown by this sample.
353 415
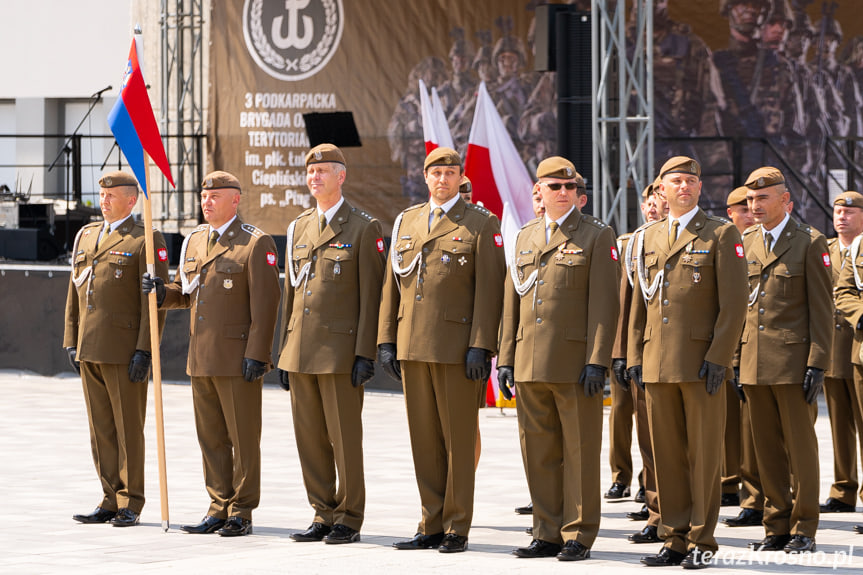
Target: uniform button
90 292
668 266
351 331
760 328
338 258
314 258
200 302
542 264
306 311
309 292
420 280
763 294
539 320
242 336
666 284
838 326
312 275
419 298
89 307
541 282
425 250
761 310
203 271
95 262
805 339
200 318
539 302
764 276
424 266
464 320
665 320
665 302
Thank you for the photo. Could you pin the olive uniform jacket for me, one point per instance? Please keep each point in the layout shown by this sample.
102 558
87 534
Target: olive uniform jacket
849 299
843 333
789 325
568 317
331 316
697 312
234 302
107 316
625 296
452 297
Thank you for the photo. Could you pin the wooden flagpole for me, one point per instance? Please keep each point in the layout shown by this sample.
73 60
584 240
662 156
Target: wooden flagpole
154 348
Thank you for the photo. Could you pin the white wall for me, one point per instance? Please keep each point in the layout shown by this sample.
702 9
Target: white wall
64 48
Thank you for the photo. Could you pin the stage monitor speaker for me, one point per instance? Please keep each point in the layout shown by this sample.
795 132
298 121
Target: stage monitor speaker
28 244
574 92
545 35
336 128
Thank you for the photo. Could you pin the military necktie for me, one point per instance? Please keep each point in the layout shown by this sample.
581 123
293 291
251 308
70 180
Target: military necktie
214 238
104 234
323 223
768 242
438 215
843 253
672 237
552 228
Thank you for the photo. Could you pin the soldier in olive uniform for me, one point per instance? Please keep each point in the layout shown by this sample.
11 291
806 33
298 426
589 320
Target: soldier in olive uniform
840 391
229 277
740 466
849 302
438 328
335 264
559 320
462 83
688 307
785 351
107 337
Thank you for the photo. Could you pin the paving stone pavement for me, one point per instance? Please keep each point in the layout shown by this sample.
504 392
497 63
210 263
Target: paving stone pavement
48 475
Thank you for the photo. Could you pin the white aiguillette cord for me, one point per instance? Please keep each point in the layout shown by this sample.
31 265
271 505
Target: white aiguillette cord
646 292
522 288
397 269
85 273
289 262
188 286
853 252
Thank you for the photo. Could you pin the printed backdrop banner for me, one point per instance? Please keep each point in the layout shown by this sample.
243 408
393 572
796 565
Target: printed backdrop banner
775 71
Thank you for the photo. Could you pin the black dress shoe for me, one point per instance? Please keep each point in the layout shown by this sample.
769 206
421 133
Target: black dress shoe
573 551
99 515
665 558
697 559
315 532
421 541
771 543
526 510
746 518
125 517
640 496
647 535
208 524
342 534
800 544
236 527
641 515
537 548
730 500
859 529
617 491
833 505
453 543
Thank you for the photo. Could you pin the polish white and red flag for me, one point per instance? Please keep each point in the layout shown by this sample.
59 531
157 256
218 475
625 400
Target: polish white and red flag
436 132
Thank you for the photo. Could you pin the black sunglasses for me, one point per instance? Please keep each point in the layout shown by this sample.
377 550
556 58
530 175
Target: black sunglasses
555 187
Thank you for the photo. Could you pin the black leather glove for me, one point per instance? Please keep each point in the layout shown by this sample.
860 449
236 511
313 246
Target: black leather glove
714 374
139 366
388 361
149 283
735 385
506 380
72 352
477 364
364 370
635 375
593 378
284 382
813 381
253 369
618 367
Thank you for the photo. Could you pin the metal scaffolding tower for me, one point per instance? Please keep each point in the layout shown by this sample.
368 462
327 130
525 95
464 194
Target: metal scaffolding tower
182 110
623 120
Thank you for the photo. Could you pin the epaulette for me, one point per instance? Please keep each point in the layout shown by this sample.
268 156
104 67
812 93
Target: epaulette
414 207
806 228
361 213
831 242
624 237
533 222
252 230
718 219
94 224
646 225
308 212
751 229
480 209
595 221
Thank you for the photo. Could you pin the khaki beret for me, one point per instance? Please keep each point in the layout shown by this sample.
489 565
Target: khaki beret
325 153
114 179
556 167
648 189
442 157
464 186
764 178
218 180
737 196
849 199
680 165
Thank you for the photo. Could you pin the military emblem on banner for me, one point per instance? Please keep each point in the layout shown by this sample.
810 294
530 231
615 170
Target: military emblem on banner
294 39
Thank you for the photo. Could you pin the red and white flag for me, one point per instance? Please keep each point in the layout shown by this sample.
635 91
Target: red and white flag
435 128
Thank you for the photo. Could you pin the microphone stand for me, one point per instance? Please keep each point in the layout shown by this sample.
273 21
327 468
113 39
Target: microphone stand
66 150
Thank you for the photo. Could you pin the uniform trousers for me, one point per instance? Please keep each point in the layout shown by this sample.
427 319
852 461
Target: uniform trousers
786 447
751 496
846 424
116 409
228 421
731 448
442 414
620 434
561 449
645 446
686 428
328 425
